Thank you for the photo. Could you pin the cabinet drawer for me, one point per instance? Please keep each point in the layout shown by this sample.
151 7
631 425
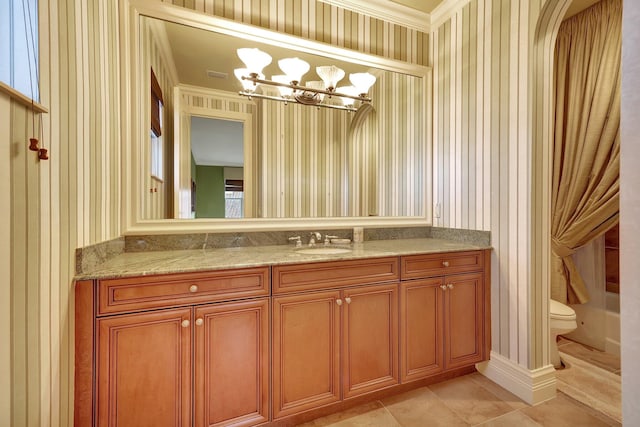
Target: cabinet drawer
323 275
145 292
420 266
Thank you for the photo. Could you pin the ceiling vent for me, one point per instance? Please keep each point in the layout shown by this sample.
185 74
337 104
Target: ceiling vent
217 74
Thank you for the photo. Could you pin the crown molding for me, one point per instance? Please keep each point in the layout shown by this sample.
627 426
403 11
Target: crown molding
387 11
444 11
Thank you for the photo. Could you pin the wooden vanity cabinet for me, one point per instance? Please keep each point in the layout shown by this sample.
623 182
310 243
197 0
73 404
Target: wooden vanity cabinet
335 344
443 319
178 364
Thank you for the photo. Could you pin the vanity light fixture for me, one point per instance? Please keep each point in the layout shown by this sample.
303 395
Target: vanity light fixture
290 87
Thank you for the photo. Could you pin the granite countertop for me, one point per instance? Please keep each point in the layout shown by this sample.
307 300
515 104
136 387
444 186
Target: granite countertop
180 261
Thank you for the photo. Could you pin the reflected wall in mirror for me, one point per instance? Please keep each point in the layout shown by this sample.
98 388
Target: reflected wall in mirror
298 161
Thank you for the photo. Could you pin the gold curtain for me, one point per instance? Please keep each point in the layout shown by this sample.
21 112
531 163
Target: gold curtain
586 162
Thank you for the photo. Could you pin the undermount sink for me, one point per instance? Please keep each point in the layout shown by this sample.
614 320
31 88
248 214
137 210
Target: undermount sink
322 250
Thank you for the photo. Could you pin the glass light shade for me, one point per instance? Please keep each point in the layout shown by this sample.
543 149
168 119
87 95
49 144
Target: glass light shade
294 68
285 92
254 59
348 90
317 84
362 81
330 75
247 85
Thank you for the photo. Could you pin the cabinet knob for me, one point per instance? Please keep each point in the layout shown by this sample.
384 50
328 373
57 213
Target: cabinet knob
445 263
348 300
450 286
339 301
199 321
443 287
185 323
193 288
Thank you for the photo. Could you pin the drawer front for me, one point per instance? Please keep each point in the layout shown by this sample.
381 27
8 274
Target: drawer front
421 266
167 290
325 275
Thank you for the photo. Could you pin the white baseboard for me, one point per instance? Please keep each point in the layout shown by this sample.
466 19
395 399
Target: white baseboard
533 386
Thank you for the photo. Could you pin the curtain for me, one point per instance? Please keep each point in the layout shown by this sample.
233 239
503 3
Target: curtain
586 151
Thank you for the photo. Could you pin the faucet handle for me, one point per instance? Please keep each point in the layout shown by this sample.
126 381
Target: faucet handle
297 240
327 238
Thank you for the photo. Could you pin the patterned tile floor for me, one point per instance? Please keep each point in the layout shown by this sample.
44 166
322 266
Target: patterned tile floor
472 400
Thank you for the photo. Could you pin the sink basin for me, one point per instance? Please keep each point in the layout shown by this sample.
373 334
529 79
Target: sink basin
323 250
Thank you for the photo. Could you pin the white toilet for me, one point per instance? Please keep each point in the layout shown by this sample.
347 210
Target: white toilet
562 321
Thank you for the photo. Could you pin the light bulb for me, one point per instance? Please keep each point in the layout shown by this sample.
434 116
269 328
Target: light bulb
294 68
330 75
247 85
285 92
362 82
347 90
317 84
254 59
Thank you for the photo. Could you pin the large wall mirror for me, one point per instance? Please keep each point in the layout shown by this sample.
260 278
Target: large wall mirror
222 161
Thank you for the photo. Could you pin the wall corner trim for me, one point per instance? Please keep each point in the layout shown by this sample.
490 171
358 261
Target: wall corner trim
387 11
444 11
533 386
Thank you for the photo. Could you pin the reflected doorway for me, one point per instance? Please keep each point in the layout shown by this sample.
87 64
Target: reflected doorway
217 167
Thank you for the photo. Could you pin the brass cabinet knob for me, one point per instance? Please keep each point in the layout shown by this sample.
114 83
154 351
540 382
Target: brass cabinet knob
193 288
339 301
445 263
185 323
199 321
348 300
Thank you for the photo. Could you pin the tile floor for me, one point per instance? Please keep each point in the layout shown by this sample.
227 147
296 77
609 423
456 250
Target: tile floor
591 377
471 400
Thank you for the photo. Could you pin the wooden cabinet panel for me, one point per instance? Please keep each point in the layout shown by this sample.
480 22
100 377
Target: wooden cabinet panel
464 313
306 352
421 328
430 265
144 370
169 290
370 339
232 364
323 275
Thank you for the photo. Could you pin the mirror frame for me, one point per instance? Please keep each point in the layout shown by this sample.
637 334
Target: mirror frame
133 132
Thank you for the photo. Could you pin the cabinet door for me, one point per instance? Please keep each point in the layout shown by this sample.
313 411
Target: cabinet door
421 326
306 352
144 369
231 364
464 319
370 339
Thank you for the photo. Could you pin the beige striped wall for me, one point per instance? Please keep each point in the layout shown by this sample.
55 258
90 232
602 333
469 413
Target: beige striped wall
74 199
158 194
491 62
316 165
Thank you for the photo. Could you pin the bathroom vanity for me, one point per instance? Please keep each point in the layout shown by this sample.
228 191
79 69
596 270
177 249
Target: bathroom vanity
269 335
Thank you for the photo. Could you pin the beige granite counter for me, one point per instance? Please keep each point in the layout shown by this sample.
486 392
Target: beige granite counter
178 261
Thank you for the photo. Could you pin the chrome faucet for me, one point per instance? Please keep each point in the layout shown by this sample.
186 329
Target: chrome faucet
315 237
327 238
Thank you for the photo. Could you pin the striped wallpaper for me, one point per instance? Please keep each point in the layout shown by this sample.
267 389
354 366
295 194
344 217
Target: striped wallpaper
316 164
311 19
157 194
74 199
491 109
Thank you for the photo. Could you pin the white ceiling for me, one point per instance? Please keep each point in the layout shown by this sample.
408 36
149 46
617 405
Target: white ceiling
197 51
216 142
426 6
